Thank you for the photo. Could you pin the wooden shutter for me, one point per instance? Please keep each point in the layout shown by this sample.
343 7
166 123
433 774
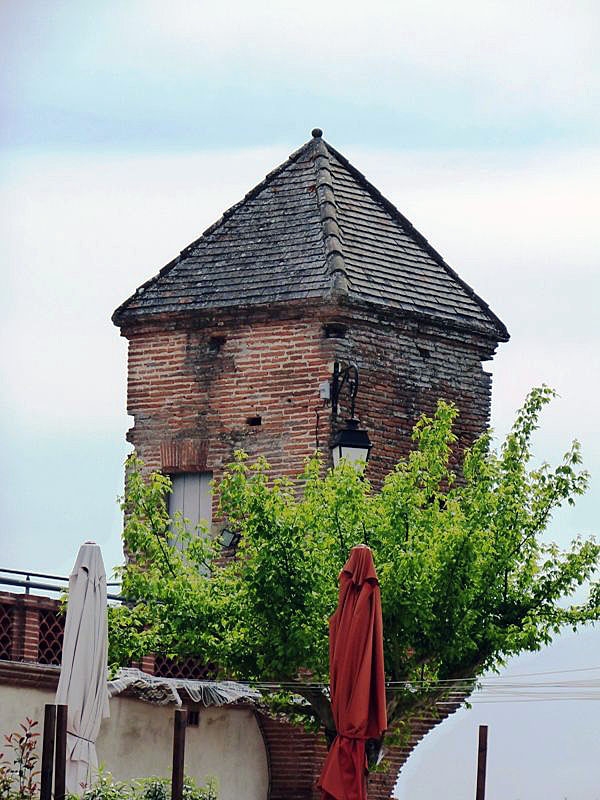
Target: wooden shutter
192 496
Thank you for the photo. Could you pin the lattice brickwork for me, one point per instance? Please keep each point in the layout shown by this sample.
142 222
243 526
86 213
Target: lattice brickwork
51 637
6 631
191 668
32 628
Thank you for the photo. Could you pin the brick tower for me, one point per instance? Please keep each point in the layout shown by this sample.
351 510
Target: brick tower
233 345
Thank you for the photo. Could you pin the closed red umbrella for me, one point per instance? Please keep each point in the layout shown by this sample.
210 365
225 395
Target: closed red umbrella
357 678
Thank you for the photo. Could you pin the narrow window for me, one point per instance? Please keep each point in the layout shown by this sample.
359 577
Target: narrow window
192 497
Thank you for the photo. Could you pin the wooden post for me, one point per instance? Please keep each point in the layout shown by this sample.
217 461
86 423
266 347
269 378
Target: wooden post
179 727
47 751
60 758
481 762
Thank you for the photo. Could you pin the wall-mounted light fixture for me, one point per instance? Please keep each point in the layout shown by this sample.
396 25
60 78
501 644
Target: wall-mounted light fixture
230 538
351 442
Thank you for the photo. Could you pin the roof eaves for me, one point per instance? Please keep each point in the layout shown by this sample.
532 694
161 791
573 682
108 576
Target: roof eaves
486 337
502 332
244 313
119 314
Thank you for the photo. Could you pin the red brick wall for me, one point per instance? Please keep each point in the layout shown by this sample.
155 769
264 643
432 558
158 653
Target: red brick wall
295 758
192 390
405 368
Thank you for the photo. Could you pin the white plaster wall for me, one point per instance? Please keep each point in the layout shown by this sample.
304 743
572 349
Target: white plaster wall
137 741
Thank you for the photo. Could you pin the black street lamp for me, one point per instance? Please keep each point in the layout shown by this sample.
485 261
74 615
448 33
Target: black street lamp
351 442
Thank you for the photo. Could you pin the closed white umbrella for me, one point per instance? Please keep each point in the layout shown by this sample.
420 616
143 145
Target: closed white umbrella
83 676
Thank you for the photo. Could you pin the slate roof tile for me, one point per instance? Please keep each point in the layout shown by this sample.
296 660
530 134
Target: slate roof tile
313 224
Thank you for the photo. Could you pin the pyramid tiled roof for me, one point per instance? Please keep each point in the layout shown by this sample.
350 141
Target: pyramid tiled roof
315 227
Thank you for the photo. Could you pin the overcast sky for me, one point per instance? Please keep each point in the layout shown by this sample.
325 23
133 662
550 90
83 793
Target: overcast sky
128 127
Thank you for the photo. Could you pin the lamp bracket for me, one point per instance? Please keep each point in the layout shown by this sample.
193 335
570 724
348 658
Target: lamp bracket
344 374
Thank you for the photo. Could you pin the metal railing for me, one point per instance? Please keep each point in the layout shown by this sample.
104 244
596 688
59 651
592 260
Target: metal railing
60 582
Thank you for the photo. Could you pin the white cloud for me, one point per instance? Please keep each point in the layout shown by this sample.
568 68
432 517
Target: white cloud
547 47
488 61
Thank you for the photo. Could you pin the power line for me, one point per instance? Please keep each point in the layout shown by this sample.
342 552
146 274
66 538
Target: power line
518 688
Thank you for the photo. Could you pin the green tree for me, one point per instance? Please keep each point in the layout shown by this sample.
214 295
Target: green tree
467 578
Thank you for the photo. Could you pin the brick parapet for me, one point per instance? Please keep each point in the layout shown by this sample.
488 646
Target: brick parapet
24 611
148 664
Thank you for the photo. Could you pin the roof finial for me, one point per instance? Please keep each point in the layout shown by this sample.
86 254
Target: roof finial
317 133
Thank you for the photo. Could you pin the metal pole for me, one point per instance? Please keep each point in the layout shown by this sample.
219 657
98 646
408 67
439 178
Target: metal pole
60 758
179 727
481 762
47 751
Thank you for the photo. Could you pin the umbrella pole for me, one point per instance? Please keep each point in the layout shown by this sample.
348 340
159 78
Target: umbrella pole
60 758
47 751
179 727
481 762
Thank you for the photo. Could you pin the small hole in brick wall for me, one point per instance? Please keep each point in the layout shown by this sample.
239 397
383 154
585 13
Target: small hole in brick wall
423 352
215 343
193 718
335 330
253 421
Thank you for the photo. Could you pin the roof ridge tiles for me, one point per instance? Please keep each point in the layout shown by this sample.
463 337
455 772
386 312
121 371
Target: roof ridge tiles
420 239
332 234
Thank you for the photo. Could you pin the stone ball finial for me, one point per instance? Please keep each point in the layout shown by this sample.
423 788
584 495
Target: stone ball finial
317 133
